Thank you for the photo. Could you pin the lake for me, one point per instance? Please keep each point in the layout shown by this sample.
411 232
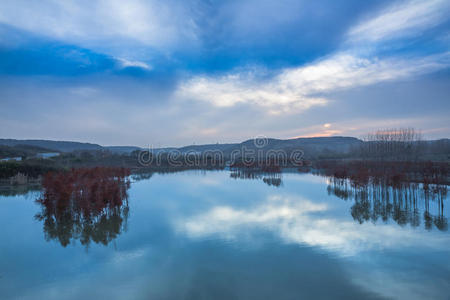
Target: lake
219 235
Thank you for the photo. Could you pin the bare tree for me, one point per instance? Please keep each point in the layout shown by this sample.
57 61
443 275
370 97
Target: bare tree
394 143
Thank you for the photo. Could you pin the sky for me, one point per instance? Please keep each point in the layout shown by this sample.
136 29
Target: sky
173 73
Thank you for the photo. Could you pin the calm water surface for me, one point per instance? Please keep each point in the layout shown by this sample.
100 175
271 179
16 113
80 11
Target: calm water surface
209 235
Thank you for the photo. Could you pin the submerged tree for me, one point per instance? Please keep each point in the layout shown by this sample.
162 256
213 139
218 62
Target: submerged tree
86 204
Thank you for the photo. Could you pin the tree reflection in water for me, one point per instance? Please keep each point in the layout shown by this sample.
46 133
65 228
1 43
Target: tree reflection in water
270 178
403 202
89 205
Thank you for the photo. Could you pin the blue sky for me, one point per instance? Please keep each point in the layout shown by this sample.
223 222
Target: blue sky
170 73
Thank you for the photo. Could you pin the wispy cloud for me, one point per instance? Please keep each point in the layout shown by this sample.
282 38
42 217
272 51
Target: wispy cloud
300 88
101 24
401 20
238 88
125 63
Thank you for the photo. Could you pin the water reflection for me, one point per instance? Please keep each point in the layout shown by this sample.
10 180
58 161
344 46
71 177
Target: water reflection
17 190
380 196
404 203
213 237
89 205
269 178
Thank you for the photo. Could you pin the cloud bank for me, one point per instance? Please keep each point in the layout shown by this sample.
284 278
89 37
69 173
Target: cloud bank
221 71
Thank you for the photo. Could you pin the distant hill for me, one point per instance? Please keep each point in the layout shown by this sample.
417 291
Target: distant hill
207 147
335 144
60 146
122 149
311 146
